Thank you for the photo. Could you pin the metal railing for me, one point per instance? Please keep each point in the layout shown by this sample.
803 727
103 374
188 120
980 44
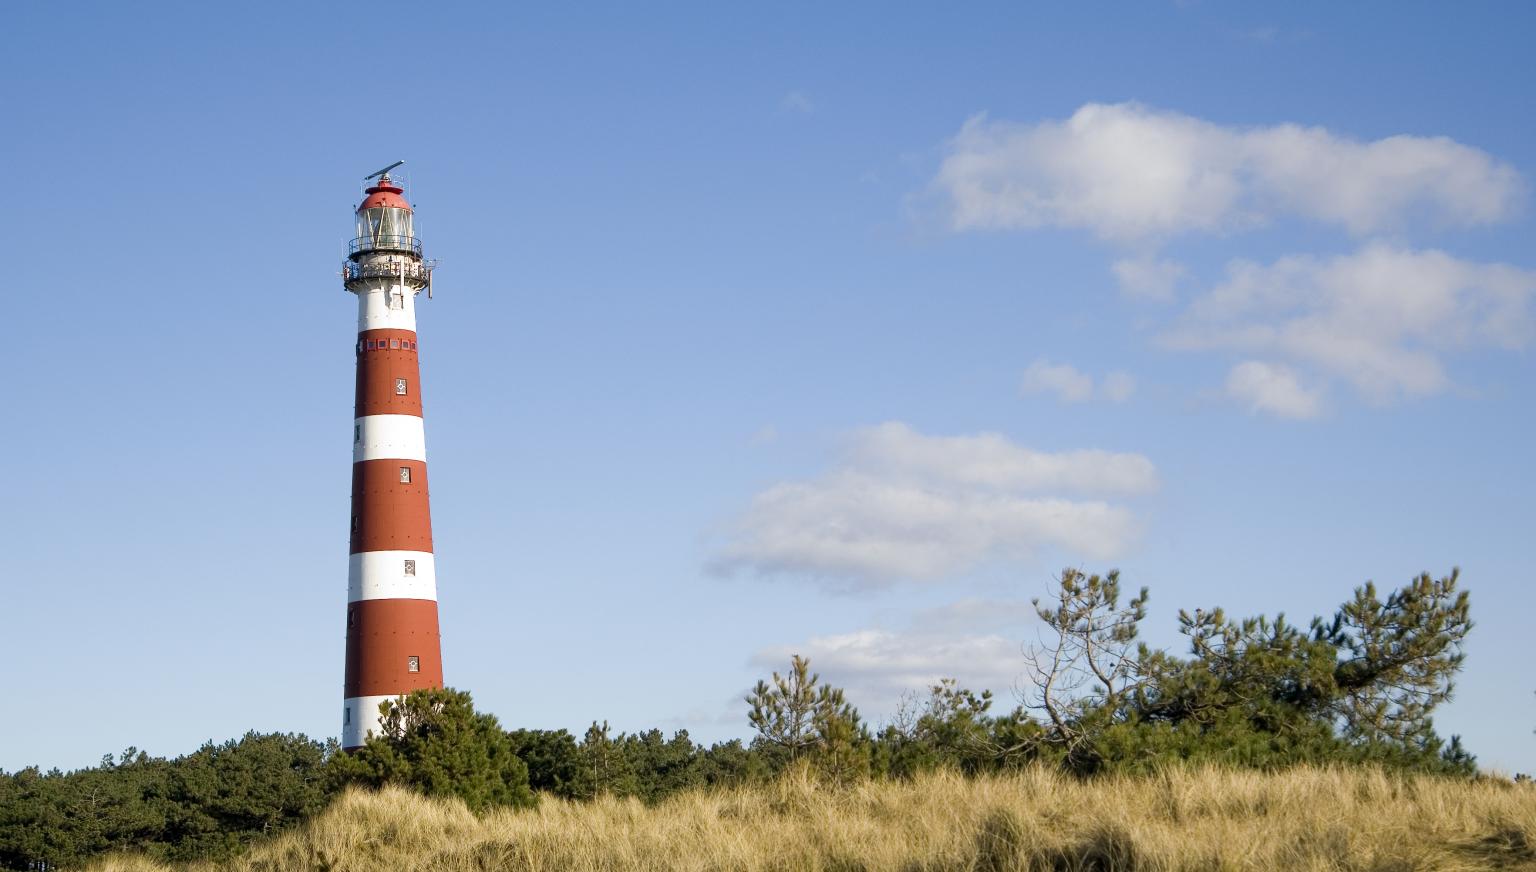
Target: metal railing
417 275
365 244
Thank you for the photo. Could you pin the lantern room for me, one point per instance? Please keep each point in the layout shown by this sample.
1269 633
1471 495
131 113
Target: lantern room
384 222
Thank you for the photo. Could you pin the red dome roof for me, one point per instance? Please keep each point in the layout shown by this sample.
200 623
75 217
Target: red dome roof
385 193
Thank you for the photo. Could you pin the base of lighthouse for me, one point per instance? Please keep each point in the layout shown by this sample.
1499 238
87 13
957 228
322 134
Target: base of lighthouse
359 719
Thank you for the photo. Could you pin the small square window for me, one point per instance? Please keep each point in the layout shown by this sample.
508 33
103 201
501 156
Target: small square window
405 475
371 344
413 664
412 344
394 343
410 567
399 387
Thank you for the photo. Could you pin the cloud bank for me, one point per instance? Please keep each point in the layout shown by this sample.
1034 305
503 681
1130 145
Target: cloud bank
1380 319
904 505
1129 173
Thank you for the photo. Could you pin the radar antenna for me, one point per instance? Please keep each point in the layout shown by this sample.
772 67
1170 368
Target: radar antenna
383 171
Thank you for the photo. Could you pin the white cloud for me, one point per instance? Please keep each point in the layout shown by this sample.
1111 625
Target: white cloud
1264 387
1061 379
1380 319
1118 386
978 642
903 505
797 103
1148 278
1129 172
991 461
1070 385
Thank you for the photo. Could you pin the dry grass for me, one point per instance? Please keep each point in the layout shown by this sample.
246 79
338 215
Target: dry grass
1307 819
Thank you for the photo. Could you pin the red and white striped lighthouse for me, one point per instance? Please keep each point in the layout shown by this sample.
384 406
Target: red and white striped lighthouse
392 636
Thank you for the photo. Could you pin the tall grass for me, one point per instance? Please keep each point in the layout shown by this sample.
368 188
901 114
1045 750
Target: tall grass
1304 819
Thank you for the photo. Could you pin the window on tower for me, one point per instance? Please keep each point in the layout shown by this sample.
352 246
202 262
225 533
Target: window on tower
399 387
405 475
410 567
413 663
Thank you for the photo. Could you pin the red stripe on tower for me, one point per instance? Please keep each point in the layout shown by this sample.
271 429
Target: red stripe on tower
392 637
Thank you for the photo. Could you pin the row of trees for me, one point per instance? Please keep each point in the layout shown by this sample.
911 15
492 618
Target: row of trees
1359 686
207 804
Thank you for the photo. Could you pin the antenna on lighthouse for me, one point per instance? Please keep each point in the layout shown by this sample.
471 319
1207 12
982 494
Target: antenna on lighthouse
383 171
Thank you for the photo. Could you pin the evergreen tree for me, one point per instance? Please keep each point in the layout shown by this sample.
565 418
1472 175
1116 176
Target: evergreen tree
604 768
434 741
798 718
553 760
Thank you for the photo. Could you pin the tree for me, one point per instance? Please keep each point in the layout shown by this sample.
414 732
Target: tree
951 728
435 742
798 717
729 763
1257 691
553 760
604 768
1399 658
1083 664
1361 686
226 795
661 766
784 714
206 805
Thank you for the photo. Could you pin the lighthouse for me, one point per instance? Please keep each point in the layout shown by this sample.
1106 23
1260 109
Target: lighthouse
392 635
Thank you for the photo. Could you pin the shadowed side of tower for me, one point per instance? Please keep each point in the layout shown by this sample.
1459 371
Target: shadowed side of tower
392 635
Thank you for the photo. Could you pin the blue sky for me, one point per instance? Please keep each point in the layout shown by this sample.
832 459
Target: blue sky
758 331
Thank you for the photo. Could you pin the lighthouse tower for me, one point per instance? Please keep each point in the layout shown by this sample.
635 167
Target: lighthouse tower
392 636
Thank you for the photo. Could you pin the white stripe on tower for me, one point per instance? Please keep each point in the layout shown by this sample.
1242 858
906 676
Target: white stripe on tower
386 437
359 715
375 312
392 575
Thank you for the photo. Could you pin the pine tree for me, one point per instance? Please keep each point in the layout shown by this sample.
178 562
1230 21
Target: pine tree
434 741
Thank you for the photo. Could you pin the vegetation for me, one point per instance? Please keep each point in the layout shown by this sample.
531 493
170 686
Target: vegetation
1358 687
1037 818
435 742
208 804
